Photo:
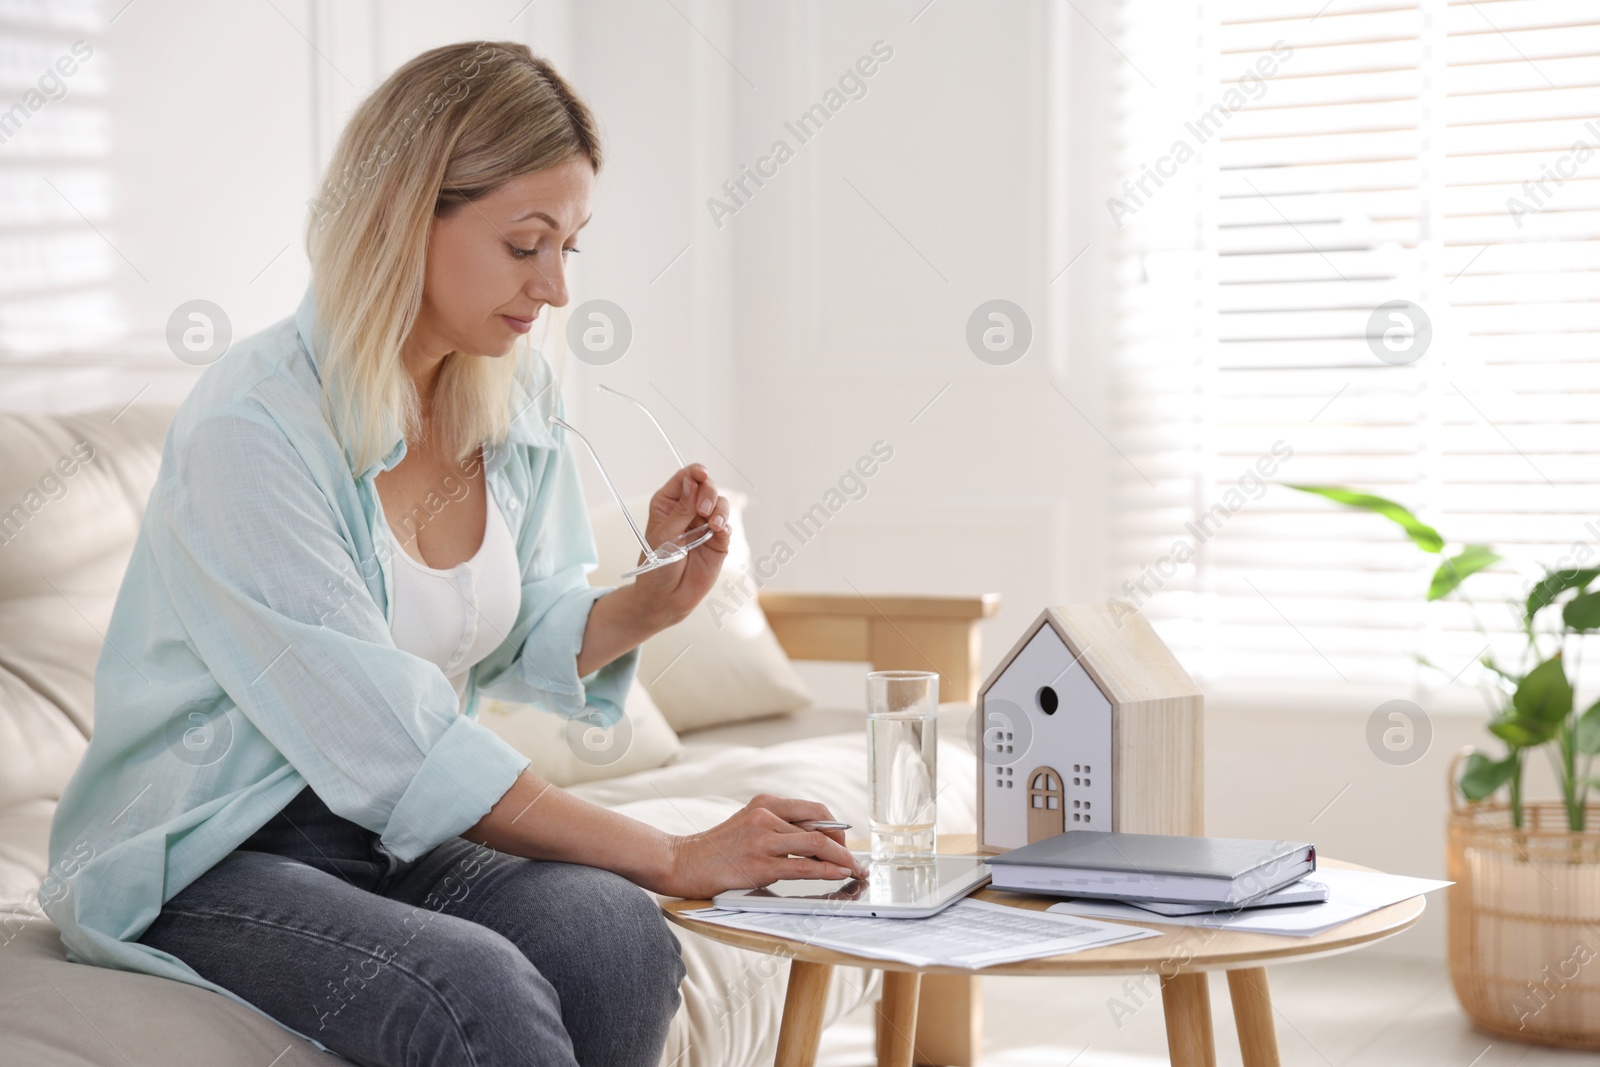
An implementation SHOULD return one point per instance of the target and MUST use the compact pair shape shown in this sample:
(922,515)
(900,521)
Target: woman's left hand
(687,500)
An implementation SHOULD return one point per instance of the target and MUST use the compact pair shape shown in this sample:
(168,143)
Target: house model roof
(1118,648)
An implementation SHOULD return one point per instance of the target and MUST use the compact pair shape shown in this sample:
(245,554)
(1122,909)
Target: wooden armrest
(893,604)
(891,631)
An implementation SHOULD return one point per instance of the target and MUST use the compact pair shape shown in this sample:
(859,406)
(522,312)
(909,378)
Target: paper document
(1351,894)
(969,933)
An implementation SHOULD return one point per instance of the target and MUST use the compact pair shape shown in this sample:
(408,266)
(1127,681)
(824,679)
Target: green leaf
(1554,584)
(1587,734)
(1484,775)
(1425,536)
(1582,612)
(1452,572)
(1545,695)
(1523,733)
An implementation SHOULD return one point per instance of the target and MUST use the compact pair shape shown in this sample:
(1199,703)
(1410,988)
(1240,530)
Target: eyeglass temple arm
(652,418)
(648,553)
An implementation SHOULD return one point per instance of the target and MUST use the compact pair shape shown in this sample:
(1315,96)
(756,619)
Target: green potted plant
(1524,912)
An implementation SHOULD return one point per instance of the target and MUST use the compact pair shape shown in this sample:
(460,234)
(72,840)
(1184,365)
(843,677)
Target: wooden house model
(1088,723)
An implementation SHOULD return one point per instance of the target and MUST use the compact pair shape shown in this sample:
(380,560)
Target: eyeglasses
(668,551)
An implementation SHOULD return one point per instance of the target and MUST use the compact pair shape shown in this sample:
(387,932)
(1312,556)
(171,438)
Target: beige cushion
(721,664)
(568,751)
(73,489)
(57,1012)
(24,847)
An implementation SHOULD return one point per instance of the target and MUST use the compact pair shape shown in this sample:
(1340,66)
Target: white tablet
(893,889)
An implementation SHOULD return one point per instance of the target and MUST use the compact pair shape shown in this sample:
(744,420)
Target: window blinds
(56,265)
(1443,154)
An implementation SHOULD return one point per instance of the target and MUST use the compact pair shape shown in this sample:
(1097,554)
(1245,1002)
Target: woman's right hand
(758,845)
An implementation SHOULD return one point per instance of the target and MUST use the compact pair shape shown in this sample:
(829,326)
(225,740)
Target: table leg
(803,1006)
(1252,1013)
(949,1020)
(1186,1001)
(897,1018)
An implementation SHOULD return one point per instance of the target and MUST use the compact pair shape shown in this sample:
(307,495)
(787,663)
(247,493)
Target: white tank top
(457,616)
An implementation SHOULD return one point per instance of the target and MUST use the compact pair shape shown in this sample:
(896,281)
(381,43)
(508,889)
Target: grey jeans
(463,956)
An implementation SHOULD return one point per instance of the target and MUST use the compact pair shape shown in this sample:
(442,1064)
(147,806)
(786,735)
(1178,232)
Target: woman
(363,519)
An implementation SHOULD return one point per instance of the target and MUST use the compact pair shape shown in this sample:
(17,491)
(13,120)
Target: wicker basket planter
(1524,920)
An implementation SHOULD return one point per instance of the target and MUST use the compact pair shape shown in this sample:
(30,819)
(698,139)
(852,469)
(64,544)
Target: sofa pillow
(73,490)
(721,664)
(570,751)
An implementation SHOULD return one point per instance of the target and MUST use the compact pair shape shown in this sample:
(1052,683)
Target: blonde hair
(446,128)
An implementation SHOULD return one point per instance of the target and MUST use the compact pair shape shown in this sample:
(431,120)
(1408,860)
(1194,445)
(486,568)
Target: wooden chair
(898,632)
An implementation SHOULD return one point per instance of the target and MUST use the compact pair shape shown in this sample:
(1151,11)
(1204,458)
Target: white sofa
(67,527)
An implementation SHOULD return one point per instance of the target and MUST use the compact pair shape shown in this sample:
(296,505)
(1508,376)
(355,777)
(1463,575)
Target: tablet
(893,889)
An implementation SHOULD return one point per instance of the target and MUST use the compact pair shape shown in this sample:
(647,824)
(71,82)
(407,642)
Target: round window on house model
(1048,701)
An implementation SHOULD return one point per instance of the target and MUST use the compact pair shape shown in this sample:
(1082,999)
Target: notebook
(1301,891)
(1108,865)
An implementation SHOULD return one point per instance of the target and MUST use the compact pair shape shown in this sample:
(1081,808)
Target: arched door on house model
(1047,810)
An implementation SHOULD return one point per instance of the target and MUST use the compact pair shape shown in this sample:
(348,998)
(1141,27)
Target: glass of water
(902,761)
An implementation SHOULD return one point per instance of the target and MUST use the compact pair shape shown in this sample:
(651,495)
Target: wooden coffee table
(1179,959)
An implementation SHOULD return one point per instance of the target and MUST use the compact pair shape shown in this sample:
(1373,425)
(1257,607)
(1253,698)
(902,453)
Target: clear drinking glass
(902,761)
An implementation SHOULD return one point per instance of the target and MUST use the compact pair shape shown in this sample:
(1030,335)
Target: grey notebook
(1300,891)
(1122,866)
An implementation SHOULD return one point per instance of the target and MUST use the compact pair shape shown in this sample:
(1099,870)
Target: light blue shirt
(249,651)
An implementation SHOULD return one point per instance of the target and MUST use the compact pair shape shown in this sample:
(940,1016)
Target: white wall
(859,265)
(827,313)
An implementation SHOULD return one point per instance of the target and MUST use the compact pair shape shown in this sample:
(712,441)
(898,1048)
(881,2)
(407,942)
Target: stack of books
(1163,874)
